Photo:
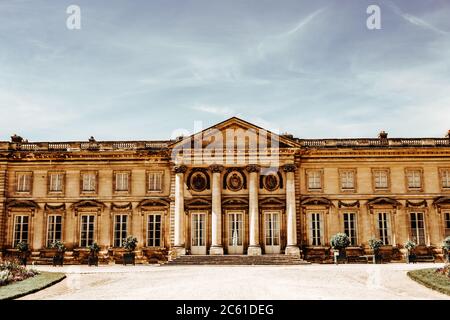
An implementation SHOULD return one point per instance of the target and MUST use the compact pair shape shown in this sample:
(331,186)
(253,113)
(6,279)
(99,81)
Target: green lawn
(30,285)
(431,279)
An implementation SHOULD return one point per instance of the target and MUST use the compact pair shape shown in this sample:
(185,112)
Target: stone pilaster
(254,248)
(216,215)
(179,237)
(291,223)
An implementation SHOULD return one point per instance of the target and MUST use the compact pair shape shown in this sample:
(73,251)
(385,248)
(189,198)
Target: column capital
(289,167)
(180,169)
(216,168)
(253,168)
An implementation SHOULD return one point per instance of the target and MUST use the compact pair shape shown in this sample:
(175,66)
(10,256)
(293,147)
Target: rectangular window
(20,229)
(122,180)
(384,227)
(54,228)
(155,181)
(445,178)
(87,230)
(447,224)
(417,228)
(120,229)
(414,178)
(316,229)
(23,182)
(56,182)
(89,182)
(350,227)
(347,179)
(154,230)
(381,179)
(314,180)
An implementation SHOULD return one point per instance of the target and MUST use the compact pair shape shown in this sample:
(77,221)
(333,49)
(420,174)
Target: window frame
(89,192)
(28,231)
(47,238)
(94,231)
(312,237)
(150,172)
(355,229)
(388,180)
(441,179)
(321,179)
(127,224)
(387,227)
(446,216)
(115,174)
(147,230)
(408,187)
(16,182)
(345,170)
(49,182)
(413,236)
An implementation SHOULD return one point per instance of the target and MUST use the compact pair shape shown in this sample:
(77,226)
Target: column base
(254,251)
(180,251)
(292,251)
(216,251)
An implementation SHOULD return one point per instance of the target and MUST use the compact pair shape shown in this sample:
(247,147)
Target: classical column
(179,244)
(254,248)
(291,214)
(216,214)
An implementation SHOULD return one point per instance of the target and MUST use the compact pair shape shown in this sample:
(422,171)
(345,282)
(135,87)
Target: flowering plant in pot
(93,254)
(129,244)
(410,246)
(339,242)
(446,249)
(23,252)
(375,245)
(58,258)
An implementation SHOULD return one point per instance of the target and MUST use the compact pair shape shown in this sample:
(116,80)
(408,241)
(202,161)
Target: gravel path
(387,281)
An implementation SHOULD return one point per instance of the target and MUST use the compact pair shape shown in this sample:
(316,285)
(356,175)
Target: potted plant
(339,242)
(410,246)
(375,245)
(58,258)
(129,244)
(23,252)
(446,249)
(93,254)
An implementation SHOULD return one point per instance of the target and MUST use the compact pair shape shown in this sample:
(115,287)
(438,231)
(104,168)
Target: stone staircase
(272,259)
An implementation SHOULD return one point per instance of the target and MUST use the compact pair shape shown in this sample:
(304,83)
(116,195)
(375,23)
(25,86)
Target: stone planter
(129,258)
(93,259)
(58,258)
(410,258)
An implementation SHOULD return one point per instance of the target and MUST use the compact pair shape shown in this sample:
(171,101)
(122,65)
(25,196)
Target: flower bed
(435,278)
(11,271)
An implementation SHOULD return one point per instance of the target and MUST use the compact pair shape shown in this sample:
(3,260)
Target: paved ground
(387,281)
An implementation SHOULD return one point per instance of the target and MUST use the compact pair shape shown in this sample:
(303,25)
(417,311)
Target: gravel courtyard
(387,281)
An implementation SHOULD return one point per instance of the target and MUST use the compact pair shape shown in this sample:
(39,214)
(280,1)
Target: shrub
(410,245)
(446,244)
(94,247)
(340,241)
(444,271)
(22,246)
(58,245)
(130,243)
(375,244)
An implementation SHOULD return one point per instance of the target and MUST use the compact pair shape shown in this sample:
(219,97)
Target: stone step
(237,260)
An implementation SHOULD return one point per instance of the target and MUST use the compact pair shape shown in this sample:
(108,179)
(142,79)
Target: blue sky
(141,69)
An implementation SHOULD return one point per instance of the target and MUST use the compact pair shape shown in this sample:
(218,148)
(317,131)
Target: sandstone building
(233,188)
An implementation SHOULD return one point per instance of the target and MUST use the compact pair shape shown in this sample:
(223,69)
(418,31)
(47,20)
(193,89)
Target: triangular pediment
(238,132)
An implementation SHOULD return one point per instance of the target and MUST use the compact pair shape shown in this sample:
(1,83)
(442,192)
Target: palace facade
(234,188)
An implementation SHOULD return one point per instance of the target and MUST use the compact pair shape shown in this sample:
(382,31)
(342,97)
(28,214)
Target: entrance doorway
(272,232)
(235,228)
(198,233)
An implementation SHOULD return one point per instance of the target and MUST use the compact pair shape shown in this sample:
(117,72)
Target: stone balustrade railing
(391,142)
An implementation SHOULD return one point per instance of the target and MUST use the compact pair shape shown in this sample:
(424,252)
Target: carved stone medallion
(198,182)
(271,182)
(234,182)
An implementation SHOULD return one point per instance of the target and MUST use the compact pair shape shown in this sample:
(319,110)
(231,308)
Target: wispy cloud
(215,110)
(416,20)
(303,23)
